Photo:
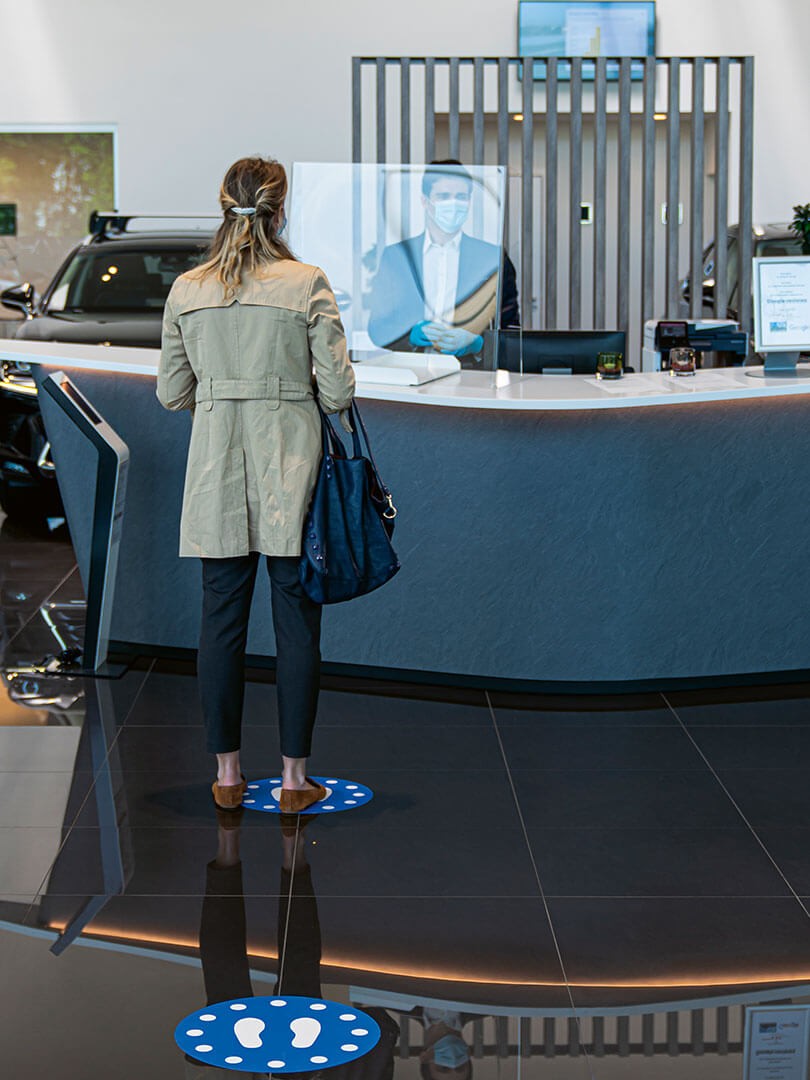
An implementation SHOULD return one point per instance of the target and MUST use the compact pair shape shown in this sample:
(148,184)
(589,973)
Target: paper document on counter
(709,380)
(630,384)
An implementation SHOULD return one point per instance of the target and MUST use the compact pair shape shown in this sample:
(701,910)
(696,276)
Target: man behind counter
(438,291)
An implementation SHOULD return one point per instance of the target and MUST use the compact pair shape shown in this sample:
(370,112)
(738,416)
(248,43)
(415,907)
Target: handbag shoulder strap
(331,441)
(360,429)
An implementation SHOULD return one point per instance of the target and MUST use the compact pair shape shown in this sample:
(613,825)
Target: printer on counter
(722,337)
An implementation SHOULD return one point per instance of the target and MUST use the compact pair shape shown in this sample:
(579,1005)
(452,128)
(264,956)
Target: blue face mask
(450,1051)
(450,215)
(282,227)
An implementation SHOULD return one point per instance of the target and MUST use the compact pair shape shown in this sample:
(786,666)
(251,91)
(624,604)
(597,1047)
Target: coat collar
(191,293)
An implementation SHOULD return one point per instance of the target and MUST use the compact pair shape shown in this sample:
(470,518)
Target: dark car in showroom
(110,290)
(767,240)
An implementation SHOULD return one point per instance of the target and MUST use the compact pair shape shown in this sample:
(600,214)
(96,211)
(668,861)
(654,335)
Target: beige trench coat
(244,368)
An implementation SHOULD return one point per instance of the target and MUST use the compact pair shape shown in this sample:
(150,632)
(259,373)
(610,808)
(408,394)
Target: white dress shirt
(440,277)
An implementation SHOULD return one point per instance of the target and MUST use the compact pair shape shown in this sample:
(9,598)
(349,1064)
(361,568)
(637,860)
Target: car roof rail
(104,222)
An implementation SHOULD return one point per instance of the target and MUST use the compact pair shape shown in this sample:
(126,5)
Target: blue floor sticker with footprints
(277,1034)
(340,795)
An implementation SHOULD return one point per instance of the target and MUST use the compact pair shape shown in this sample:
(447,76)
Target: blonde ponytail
(252,200)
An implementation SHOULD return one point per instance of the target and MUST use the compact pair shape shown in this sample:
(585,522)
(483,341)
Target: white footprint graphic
(248,1031)
(306,1031)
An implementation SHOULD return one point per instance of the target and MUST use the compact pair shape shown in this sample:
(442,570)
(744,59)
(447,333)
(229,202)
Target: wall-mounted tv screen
(586,28)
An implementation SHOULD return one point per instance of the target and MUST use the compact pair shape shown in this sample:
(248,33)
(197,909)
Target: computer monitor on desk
(552,352)
(781,314)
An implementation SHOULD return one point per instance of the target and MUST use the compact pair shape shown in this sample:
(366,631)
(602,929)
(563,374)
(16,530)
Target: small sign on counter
(776,1042)
(782,304)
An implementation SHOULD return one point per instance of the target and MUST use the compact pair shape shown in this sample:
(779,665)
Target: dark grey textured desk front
(577,545)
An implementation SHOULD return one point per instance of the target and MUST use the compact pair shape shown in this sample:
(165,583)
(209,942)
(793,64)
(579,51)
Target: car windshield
(109,280)
(785,245)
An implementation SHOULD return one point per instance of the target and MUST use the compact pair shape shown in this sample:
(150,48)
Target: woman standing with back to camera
(241,333)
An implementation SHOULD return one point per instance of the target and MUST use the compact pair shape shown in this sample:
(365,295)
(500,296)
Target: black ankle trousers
(227,593)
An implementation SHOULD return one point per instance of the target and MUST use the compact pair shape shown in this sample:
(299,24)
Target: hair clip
(243,211)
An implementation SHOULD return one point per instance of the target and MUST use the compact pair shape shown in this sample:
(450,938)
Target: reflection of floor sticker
(340,795)
(278,1034)
(306,1030)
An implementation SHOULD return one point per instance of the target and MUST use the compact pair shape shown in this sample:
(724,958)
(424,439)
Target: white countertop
(472,389)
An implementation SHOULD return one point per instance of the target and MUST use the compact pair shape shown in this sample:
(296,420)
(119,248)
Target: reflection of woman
(223,945)
(240,336)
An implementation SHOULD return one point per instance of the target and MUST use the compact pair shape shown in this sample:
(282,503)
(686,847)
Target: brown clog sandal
(229,796)
(295,802)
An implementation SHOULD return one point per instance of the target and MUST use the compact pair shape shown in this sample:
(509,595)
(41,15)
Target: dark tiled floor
(587,747)
(680,936)
(653,862)
(622,798)
(543,870)
(171,698)
(750,705)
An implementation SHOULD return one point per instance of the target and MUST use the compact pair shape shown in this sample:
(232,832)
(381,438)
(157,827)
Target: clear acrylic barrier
(413,254)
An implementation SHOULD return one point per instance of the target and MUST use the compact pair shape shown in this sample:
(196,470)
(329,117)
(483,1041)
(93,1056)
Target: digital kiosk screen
(600,28)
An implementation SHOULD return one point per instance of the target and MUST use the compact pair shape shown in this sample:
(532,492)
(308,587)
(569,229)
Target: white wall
(193,84)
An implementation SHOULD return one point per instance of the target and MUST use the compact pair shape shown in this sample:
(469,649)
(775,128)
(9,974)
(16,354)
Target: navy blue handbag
(346,549)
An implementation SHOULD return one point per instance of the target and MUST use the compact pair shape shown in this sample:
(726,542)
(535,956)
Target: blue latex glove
(417,336)
(475,346)
(454,340)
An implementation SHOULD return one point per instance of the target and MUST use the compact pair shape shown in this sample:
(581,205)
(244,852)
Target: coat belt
(271,388)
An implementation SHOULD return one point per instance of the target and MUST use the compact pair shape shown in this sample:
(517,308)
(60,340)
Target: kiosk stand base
(781,366)
(61,398)
(65,668)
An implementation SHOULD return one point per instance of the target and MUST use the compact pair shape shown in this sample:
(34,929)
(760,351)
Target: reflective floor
(542,886)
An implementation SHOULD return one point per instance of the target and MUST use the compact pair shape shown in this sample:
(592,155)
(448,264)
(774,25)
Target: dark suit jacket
(398,297)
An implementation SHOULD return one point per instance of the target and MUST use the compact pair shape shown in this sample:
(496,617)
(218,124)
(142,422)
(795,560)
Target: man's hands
(417,336)
(446,339)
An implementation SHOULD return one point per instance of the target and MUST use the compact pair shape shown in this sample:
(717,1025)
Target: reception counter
(552,529)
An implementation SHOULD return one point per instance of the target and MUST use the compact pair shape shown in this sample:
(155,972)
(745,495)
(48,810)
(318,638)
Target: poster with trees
(54,179)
